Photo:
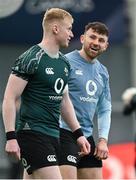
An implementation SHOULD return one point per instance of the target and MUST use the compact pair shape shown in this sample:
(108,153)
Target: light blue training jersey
(90,93)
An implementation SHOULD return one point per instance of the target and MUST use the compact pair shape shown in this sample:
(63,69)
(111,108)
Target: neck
(49,45)
(85,56)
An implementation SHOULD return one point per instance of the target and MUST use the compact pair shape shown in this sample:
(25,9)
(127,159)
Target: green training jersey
(42,96)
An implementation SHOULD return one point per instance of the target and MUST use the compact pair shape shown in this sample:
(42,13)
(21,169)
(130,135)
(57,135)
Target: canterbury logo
(71,158)
(51,158)
(79,72)
(49,71)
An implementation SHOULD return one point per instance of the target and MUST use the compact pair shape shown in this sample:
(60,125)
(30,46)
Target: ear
(82,39)
(55,29)
(106,46)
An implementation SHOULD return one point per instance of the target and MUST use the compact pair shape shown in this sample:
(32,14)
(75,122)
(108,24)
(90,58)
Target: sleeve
(25,66)
(104,111)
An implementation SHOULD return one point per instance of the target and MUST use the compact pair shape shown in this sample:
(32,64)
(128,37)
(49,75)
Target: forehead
(91,31)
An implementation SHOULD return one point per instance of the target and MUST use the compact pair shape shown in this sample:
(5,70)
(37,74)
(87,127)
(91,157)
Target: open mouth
(94,49)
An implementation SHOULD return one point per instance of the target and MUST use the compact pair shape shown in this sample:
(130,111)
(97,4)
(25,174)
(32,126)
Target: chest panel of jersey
(89,82)
(49,80)
(41,99)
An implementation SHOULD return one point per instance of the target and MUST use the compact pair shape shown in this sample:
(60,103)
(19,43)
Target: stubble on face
(94,44)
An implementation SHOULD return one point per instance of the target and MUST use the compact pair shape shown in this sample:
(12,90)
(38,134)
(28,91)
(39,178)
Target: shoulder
(72,57)
(29,60)
(65,59)
(102,69)
(71,54)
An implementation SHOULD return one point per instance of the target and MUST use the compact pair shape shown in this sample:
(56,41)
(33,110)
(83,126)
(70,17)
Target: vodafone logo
(59,84)
(91,88)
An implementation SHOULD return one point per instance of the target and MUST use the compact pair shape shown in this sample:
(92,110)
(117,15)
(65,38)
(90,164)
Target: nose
(96,41)
(72,35)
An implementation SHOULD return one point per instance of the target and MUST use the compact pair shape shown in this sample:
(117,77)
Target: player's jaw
(94,50)
(68,41)
(65,42)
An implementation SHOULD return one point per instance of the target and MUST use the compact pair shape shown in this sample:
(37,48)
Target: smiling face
(93,44)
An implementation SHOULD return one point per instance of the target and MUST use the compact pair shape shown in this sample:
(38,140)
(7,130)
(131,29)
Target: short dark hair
(98,27)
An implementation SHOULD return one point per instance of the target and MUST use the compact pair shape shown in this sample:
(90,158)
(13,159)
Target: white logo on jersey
(25,164)
(51,158)
(66,71)
(91,87)
(49,71)
(71,158)
(79,72)
(61,82)
(55,98)
(88,99)
(26,127)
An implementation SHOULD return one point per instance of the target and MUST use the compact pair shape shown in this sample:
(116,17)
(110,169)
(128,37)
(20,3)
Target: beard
(92,54)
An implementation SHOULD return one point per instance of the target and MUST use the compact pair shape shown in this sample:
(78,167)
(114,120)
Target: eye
(102,40)
(70,28)
(92,37)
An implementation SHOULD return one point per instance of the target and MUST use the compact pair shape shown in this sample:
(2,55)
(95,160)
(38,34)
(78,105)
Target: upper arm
(15,87)
(65,93)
